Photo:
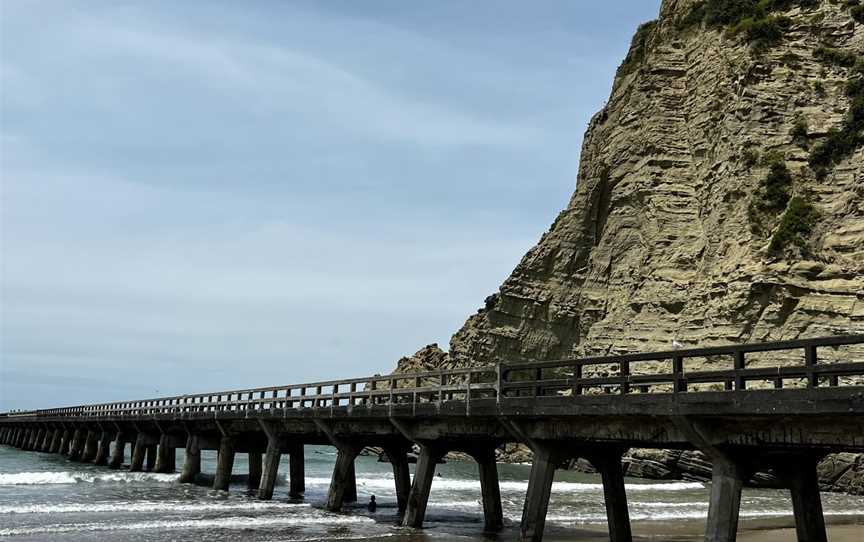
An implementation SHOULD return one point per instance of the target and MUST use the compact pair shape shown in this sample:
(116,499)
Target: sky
(199,196)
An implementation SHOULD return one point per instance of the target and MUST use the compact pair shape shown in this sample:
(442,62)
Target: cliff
(720,196)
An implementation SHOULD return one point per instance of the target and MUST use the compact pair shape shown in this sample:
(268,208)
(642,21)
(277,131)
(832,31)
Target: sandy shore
(768,530)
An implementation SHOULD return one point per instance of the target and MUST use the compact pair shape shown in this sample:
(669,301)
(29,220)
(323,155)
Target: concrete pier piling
(166,456)
(342,482)
(65,441)
(398,457)
(41,438)
(608,463)
(91,444)
(192,463)
(798,473)
(493,513)
(727,479)
(296,471)
(103,448)
(118,453)
(254,460)
(57,440)
(139,452)
(418,497)
(152,451)
(77,446)
(224,464)
(536,504)
(270,470)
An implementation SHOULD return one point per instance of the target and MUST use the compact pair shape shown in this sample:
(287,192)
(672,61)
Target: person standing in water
(372,504)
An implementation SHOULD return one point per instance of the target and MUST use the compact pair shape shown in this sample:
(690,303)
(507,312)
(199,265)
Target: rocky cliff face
(720,196)
(657,242)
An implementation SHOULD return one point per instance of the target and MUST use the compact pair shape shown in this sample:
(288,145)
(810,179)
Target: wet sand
(849,529)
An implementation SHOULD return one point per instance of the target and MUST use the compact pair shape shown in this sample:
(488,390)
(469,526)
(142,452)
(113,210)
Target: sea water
(46,497)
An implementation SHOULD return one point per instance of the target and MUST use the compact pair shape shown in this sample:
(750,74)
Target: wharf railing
(643,373)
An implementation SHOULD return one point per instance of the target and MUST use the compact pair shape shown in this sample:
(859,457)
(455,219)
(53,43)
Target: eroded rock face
(656,243)
(659,242)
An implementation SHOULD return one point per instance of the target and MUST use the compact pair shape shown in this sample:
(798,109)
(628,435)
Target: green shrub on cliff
(756,20)
(796,225)
(776,184)
(638,48)
(843,141)
(837,57)
(773,194)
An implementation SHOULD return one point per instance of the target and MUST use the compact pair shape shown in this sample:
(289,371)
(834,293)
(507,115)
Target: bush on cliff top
(638,48)
(751,18)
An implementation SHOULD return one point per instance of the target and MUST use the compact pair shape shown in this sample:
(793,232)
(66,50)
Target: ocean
(45,497)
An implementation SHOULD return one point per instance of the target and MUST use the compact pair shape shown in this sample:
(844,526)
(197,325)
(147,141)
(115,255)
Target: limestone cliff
(720,195)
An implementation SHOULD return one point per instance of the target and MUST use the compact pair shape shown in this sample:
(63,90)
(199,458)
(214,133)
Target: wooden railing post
(678,368)
(810,361)
(740,381)
(625,374)
(577,379)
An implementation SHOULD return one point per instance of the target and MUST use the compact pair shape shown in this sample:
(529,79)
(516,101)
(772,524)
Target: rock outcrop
(719,200)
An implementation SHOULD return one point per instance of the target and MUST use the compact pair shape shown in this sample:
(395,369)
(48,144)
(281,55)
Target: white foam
(676,515)
(230,523)
(77,477)
(147,506)
(385,482)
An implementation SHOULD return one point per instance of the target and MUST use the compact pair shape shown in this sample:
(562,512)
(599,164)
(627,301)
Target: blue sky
(207,195)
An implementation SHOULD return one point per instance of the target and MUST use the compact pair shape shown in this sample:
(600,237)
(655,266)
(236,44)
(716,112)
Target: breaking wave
(49,478)
(234,522)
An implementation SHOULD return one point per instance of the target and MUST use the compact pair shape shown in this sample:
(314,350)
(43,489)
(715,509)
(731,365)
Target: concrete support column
(725,500)
(192,464)
(90,446)
(45,443)
(118,455)
(254,460)
(608,462)
(270,470)
(31,441)
(539,489)
(103,448)
(401,476)
(798,473)
(224,464)
(49,439)
(56,441)
(22,437)
(65,441)
(297,471)
(139,452)
(351,484)
(419,495)
(493,513)
(342,482)
(166,456)
(77,444)
(152,452)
